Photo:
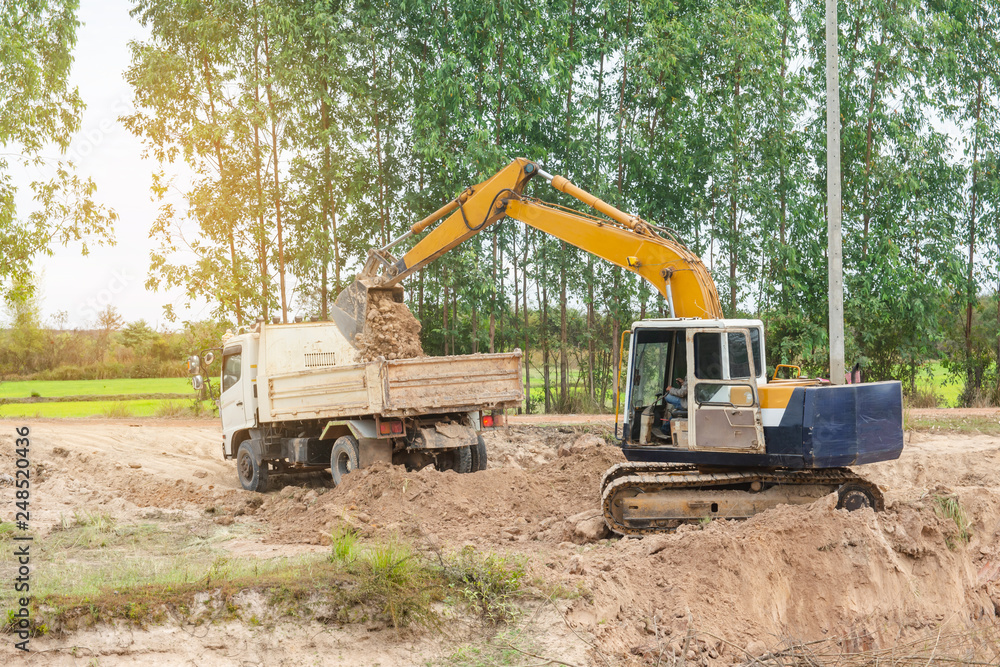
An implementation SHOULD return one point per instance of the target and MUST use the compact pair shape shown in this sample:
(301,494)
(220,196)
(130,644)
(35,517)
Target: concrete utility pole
(833,199)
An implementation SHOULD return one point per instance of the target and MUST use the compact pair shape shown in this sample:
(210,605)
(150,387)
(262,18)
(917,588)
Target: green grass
(113,409)
(965,425)
(99,569)
(119,387)
(949,508)
(933,376)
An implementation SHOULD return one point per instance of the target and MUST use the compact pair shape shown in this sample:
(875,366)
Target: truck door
(233,404)
(722,391)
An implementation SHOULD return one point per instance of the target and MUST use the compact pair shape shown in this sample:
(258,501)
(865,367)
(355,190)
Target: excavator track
(648,498)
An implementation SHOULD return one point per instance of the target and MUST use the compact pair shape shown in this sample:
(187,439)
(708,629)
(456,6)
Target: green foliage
(345,545)
(317,132)
(490,584)
(395,583)
(117,410)
(949,508)
(138,336)
(37,113)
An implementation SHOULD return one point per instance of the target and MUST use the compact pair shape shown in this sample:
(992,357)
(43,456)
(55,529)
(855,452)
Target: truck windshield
(231,367)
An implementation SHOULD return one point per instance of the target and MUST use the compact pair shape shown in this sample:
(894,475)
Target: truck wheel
(479,454)
(252,473)
(343,458)
(463,460)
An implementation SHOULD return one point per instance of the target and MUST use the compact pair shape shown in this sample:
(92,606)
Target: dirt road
(716,593)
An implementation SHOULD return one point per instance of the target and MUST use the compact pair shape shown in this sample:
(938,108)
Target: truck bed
(393,388)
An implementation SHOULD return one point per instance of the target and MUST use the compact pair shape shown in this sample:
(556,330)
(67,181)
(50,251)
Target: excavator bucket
(355,300)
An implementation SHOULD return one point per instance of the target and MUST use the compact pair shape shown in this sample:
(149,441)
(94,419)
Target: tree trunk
(444,313)
(264,296)
(277,182)
(544,302)
(591,350)
(783,119)
(869,142)
(734,231)
(382,195)
(493,296)
(616,340)
(454,320)
(591,324)
(475,330)
(223,176)
(970,379)
(621,103)
(325,120)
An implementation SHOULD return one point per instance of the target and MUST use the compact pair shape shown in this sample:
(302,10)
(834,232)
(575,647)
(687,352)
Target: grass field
(118,387)
(932,375)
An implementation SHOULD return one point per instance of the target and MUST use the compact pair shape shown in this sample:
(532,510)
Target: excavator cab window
(708,356)
(652,352)
(739,357)
(680,358)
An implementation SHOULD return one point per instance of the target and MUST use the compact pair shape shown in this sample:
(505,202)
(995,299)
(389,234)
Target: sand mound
(798,573)
(391,331)
(795,573)
(508,504)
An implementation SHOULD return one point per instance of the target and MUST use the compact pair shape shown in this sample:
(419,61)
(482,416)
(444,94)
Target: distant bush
(28,351)
(923,398)
(117,410)
(142,368)
(173,409)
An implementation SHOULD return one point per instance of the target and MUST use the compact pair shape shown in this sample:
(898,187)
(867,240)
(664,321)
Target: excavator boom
(622,239)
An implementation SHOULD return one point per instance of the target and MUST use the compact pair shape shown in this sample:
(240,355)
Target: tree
(138,336)
(38,110)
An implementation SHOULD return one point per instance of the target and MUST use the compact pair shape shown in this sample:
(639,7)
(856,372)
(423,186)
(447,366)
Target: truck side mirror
(197,383)
(209,358)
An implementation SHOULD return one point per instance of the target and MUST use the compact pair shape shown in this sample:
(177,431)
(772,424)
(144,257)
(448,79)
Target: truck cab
(238,390)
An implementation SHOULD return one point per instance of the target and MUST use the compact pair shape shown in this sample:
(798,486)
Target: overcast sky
(112,156)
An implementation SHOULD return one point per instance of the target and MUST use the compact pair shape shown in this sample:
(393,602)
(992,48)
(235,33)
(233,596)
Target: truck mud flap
(444,436)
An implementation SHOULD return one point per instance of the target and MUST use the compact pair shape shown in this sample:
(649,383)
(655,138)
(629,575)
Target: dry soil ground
(812,577)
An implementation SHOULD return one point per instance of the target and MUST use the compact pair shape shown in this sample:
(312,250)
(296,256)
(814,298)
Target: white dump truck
(298,398)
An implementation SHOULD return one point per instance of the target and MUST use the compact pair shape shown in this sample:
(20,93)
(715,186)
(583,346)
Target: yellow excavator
(706,434)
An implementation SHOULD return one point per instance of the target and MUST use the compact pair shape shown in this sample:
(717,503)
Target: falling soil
(391,331)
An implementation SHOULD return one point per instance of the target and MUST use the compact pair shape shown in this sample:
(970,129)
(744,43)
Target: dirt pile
(801,573)
(858,581)
(391,331)
(500,504)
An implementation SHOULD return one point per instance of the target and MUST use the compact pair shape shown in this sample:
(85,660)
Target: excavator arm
(625,240)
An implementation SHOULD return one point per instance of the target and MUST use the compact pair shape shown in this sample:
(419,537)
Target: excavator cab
(712,367)
(733,416)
